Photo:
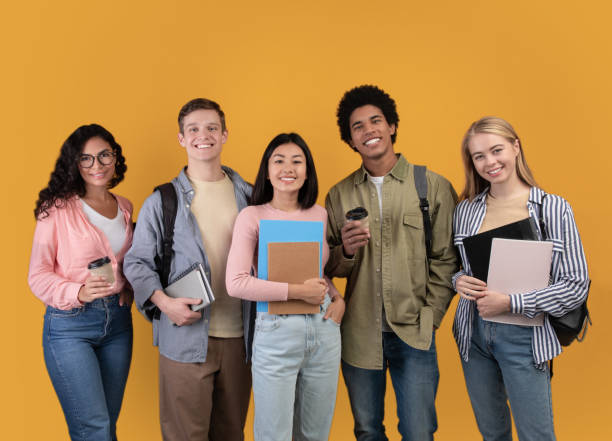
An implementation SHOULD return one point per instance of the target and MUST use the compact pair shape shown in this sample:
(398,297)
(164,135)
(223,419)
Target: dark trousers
(206,401)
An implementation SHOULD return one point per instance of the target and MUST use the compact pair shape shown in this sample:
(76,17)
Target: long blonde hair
(474,183)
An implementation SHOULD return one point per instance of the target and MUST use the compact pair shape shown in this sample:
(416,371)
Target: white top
(378,183)
(114,229)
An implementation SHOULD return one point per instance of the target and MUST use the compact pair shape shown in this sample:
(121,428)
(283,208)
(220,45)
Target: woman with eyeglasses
(83,228)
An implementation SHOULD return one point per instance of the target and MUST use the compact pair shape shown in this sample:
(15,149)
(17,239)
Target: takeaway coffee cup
(102,267)
(358,214)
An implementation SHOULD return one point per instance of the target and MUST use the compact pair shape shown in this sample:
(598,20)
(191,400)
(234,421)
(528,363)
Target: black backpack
(573,325)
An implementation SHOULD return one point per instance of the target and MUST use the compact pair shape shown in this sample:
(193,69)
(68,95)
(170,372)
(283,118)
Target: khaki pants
(206,401)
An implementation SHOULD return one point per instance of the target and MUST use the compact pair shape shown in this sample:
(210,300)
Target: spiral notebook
(192,283)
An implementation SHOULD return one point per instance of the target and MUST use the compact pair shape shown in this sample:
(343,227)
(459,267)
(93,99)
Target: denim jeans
(87,352)
(295,376)
(501,368)
(414,375)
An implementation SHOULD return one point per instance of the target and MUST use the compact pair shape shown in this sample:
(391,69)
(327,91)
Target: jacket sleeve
(338,265)
(139,264)
(45,283)
(443,263)
(570,275)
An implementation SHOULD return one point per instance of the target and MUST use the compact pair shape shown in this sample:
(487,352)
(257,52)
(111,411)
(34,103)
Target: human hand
(178,310)
(470,288)
(492,303)
(95,287)
(335,310)
(311,291)
(354,236)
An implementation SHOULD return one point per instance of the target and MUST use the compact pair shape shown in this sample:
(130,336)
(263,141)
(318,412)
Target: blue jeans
(501,369)
(87,352)
(295,376)
(415,377)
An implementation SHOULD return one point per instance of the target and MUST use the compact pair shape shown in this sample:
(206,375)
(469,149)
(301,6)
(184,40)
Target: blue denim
(88,352)
(501,368)
(296,359)
(414,375)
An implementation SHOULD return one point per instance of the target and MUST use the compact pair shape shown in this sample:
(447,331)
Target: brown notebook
(293,262)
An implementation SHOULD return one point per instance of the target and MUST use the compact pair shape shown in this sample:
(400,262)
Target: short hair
(476,184)
(66,181)
(197,104)
(263,190)
(362,96)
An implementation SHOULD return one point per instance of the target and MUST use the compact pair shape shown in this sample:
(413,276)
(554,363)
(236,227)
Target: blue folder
(285,231)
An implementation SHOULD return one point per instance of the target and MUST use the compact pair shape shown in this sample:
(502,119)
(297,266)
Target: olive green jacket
(393,267)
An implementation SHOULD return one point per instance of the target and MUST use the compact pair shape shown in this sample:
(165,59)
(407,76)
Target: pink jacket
(64,243)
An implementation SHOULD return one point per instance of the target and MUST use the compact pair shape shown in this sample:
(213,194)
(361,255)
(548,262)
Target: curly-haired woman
(87,335)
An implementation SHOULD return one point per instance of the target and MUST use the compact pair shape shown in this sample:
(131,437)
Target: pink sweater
(243,252)
(64,243)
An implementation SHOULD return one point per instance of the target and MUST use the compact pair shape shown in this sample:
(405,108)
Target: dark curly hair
(362,96)
(66,181)
(263,191)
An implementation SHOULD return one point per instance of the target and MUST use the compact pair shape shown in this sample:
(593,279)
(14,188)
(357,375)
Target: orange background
(282,66)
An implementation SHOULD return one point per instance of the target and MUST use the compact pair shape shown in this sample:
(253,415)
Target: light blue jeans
(88,352)
(415,376)
(295,366)
(501,369)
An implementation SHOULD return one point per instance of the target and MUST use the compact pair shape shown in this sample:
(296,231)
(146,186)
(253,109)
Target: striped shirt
(569,276)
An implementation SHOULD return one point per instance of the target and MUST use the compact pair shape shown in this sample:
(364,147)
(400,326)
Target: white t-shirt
(114,229)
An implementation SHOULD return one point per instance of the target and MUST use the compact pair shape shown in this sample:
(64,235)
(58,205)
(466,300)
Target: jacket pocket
(408,291)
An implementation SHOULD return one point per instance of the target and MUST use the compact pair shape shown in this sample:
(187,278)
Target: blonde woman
(505,362)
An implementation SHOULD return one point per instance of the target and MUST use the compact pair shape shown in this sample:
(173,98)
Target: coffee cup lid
(357,213)
(98,263)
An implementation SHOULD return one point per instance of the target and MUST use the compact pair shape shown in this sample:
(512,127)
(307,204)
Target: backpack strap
(541,219)
(420,182)
(169,209)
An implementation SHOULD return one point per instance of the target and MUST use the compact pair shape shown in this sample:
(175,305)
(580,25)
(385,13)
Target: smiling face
(203,135)
(287,169)
(97,175)
(494,158)
(370,133)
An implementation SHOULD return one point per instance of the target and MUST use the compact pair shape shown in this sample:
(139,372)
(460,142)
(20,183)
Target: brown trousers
(206,401)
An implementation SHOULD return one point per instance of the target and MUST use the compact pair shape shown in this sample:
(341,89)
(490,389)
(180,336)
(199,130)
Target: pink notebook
(519,266)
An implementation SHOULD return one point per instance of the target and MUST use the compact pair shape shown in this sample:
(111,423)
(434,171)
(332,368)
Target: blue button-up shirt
(569,275)
(187,344)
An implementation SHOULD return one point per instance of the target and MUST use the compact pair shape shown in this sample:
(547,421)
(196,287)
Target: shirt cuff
(456,276)
(524,304)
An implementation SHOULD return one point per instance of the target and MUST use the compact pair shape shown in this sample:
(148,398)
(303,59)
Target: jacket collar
(185,184)
(400,170)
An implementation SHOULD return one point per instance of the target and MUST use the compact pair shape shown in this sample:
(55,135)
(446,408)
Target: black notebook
(478,247)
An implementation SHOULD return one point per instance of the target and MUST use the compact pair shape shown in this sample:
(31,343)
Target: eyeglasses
(105,158)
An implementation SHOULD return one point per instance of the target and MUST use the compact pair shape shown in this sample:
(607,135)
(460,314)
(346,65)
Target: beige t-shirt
(503,212)
(214,207)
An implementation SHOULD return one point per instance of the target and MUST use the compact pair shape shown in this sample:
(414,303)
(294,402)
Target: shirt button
(377,243)
(377,294)
(187,205)
(372,194)
(377,320)
(376,219)
(377,270)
